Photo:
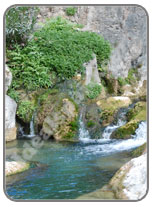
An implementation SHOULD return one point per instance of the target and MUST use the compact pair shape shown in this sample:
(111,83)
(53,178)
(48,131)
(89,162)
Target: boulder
(58,117)
(92,120)
(14,167)
(130,181)
(92,74)
(134,117)
(10,112)
(8,78)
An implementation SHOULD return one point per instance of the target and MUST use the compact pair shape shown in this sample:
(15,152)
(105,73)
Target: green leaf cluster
(70,11)
(93,90)
(25,110)
(55,53)
(19,24)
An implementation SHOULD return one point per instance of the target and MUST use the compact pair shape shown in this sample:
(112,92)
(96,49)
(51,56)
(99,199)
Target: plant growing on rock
(70,11)
(25,110)
(93,90)
(57,51)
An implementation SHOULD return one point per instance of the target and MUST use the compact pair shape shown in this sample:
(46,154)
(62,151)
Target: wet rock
(10,112)
(92,119)
(134,116)
(110,106)
(125,131)
(14,167)
(130,181)
(139,151)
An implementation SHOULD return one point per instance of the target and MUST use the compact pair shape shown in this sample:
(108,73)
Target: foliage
(122,81)
(13,94)
(57,51)
(25,110)
(90,123)
(132,76)
(19,24)
(93,90)
(70,11)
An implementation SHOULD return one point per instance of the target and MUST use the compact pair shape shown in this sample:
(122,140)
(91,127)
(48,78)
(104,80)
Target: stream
(68,170)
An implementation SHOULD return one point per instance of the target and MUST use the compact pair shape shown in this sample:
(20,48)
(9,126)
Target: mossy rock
(138,112)
(125,132)
(134,117)
(57,116)
(110,106)
(14,167)
(139,151)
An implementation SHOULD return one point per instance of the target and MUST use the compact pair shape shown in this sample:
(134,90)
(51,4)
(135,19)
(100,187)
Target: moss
(26,166)
(90,123)
(109,107)
(139,151)
(69,135)
(138,112)
(126,131)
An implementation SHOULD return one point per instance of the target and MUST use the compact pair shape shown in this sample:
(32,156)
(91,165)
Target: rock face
(14,167)
(10,109)
(8,78)
(124,26)
(10,112)
(92,74)
(130,182)
(58,117)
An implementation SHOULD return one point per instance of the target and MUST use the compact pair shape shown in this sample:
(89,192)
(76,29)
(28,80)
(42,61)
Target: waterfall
(32,130)
(84,135)
(107,146)
(104,145)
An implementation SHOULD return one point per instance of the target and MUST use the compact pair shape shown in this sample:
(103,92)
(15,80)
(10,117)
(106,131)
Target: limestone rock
(10,112)
(130,181)
(56,117)
(14,167)
(8,78)
(92,74)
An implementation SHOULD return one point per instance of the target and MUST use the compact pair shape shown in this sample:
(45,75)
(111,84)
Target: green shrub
(57,51)
(19,24)
(122,81)
(25,110)
(70,11)
(13,94)
(93,90)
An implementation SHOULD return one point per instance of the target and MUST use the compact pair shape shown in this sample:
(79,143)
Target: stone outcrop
(124,26)
(58,117)
(10,109)
(130,181)
(14,167)
(92,74)
(10,113)
(8,78)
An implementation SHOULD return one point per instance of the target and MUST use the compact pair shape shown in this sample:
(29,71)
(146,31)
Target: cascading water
(105,145)
(31,134)
(32,130)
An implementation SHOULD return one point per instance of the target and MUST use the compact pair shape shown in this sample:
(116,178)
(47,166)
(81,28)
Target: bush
(19,24)
(93,90)
(57,51)
(13,94)
(70,11)
(25,110)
